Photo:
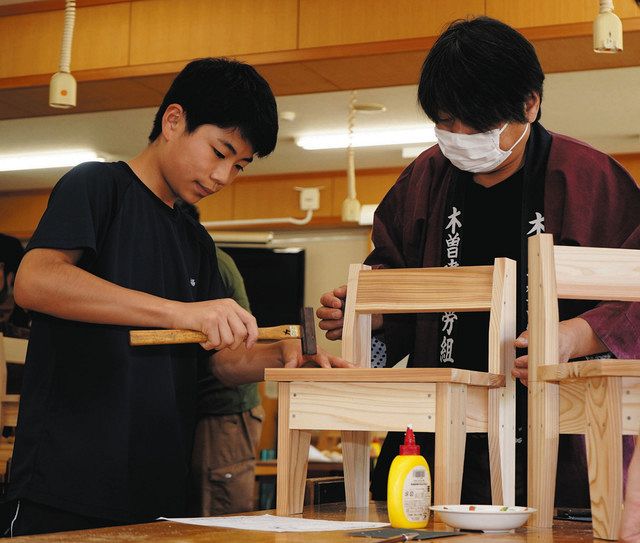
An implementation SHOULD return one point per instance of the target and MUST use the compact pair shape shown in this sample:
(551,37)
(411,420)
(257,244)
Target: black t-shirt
(105,429)
(491,229)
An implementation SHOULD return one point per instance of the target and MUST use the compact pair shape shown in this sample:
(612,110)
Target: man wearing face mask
(495,178)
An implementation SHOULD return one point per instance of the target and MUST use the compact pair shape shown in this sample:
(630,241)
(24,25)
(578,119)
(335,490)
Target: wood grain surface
(171,532)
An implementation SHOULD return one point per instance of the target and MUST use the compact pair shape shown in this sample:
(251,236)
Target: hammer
(304,331)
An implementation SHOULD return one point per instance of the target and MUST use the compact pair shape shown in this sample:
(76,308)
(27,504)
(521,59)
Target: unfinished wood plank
(502,401)
(381,375)
(356,330)
(543,404)
(604,454)
(293,457)
(425,290)
(15,349)
(451,406)
(355,454)
(593,273)
(377,406)
(572,406)
(362,406)
(589,368)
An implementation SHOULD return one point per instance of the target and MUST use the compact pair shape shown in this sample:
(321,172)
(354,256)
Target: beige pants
(223,463)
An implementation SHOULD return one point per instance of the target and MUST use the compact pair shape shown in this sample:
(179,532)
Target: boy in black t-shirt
(105,430)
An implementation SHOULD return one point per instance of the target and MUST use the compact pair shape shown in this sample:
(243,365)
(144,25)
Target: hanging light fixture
(607,29)
(62,87)
(351,205)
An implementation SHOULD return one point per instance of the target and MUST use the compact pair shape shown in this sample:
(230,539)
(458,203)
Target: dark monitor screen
(274,279)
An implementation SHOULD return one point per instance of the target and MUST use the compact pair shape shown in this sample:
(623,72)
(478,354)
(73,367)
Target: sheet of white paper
(271,523)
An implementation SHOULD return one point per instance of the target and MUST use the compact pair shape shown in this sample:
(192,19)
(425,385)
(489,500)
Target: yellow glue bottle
(409,486)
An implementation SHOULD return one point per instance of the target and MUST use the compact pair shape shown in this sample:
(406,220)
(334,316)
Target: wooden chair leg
(542,451)
(502,450)
(451,435)
(293,459)
(604,454)
(355,455)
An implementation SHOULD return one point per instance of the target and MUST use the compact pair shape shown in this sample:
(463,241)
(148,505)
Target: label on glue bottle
(416,494)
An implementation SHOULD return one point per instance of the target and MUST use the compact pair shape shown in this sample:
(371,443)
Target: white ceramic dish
(488,518)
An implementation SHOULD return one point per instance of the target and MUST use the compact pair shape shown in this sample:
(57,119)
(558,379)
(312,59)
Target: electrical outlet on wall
(309,198)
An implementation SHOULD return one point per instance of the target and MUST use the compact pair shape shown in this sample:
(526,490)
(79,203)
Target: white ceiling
(600,107)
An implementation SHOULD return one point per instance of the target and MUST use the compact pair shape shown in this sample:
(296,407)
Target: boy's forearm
(62,289)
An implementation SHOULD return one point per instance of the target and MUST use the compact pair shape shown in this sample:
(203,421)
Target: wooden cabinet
(166,30)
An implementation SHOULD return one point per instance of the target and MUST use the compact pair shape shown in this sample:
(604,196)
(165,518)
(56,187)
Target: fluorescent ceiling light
(47,159)
(370,138)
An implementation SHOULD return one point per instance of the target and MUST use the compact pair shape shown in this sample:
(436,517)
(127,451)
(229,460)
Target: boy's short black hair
(480,71)
(228,94)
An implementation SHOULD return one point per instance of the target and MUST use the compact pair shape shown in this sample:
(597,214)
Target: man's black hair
(228,94)
(480,71)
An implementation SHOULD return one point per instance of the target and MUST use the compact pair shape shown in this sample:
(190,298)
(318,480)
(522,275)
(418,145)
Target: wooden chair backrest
(430,290)
(577,273)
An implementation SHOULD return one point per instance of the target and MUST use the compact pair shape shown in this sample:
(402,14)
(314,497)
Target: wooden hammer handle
(174,337)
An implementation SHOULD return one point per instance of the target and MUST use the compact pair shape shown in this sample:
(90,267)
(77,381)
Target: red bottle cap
(409,447)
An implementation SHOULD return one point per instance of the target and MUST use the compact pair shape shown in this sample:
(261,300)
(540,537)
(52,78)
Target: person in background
(495,178)
(105,430)
(229,423)
(14,321)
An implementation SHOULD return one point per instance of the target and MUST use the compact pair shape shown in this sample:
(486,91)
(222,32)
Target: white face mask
(477,153)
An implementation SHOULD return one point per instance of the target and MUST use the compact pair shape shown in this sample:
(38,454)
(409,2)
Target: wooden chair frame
(448,401)
(597,398)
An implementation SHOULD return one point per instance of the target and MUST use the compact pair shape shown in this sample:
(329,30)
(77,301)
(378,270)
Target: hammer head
(308,331)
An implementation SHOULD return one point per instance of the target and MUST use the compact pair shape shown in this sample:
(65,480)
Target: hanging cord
(351,168)
(606,5)
(67,36)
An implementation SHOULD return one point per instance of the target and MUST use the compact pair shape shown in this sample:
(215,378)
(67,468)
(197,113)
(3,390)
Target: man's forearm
(584,340)
(245,366)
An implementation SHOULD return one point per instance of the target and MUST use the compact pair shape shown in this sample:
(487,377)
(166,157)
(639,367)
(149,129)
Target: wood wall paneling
(560,54)
(218,206)
(371,186)
(631,163)
(529,13)
(30,43)
(383,70)
(165,30)
(254,197)
(333,22)
(101,37)
(296,78)
(278,198)
(92,96)
(20,212)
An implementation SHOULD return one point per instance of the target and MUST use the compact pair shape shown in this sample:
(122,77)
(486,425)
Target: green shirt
(214,398)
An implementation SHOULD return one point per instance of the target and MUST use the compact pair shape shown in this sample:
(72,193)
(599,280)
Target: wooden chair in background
(598,398)
(12,351)
(448,401)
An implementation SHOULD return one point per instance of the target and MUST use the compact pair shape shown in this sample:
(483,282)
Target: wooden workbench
(170,532)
